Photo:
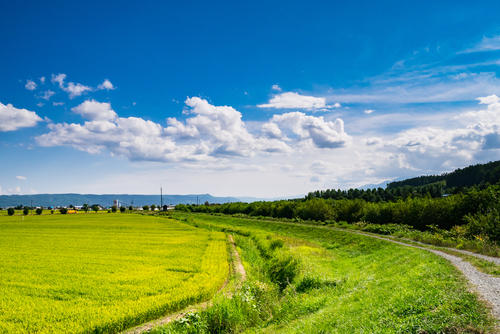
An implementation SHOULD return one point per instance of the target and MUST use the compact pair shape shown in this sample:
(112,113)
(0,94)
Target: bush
(26,211)
(63,211)
(282,270)
(145,208)
(122,209)
(39,211)
(486,225)
(11,211)
(113,208)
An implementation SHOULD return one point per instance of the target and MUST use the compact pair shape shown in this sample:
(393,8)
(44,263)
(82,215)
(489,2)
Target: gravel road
(486,285)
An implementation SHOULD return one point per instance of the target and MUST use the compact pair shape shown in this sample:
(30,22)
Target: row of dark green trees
(477,207)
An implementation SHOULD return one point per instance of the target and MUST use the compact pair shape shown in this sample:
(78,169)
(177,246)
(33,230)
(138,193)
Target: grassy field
(102,273)
(344,283)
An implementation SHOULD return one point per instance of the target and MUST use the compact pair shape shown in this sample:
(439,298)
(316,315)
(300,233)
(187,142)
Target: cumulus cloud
(276,88)
(12,118)
(324,134)
(208,133)
(292,100)
(95,111)
(73,89)
(42,80)
(30,85)
(106,85)
(22,178)
(47,95)
(369,111)
(453,144)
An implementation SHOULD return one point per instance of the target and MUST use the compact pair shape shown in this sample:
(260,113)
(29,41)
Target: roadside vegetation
(467,219)
(312,279)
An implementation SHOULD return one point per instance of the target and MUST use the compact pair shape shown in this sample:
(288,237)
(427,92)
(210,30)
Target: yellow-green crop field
(102,273)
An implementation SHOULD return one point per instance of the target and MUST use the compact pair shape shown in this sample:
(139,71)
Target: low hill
(53,200)
(462,177)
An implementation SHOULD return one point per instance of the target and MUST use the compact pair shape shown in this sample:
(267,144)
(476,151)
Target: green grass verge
(346,283)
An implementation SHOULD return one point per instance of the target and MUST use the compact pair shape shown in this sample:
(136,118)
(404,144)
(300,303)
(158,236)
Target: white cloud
(292,100)
(55,104)
(40,104)
(107,85)
(93,110)
(22,178)
(219,129)
(47,95)
(12,118)
(455,143)
(486,44)
(491,99)
(369,111)
(30,85)
(15,191)
(209,133)
(73,89)
(324,134)
(276,88)
(42,80)
(59,79)
(76,89)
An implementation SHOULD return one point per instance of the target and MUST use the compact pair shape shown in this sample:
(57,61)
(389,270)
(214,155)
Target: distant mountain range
(54,200)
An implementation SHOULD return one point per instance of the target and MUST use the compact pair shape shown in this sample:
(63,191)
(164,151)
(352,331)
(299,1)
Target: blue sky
(258,98)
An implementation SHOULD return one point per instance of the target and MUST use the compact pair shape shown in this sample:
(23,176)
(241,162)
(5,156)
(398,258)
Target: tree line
(475,207)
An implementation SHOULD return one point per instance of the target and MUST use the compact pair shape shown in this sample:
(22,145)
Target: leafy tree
(113,208)
(122,209)
(153,207)
(63,211)
(95,208)
(39,211)
(85,207)
(26,211)
(11,211)
(131,208)
(145,208)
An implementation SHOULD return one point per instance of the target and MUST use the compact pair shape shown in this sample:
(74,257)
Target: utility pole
(161,198)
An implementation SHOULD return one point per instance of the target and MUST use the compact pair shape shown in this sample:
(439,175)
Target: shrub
(484,224)
(113,208)
(145,208)
(26,211)
(11,211)
(39,211)
(122,209)
(63,211)
(282,270)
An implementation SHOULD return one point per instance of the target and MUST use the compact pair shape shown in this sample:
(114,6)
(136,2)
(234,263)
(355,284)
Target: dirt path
(240,273)
(487,286)
(238,266)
